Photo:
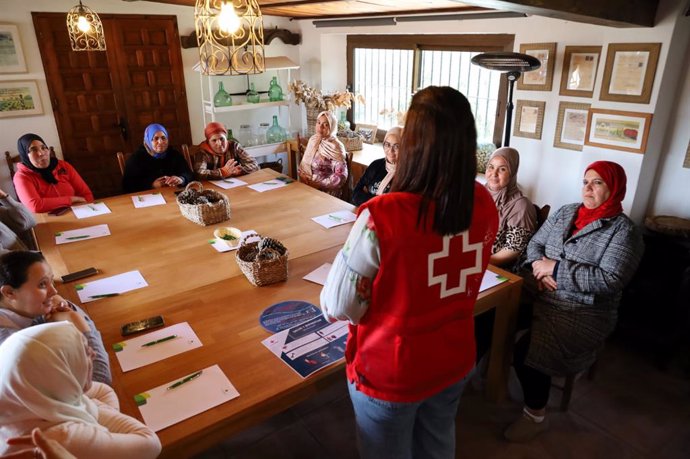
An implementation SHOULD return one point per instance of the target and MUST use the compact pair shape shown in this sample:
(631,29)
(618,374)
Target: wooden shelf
(266,149)
(244,106)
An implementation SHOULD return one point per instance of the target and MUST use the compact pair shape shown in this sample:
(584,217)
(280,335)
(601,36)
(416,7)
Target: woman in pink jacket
(44,183)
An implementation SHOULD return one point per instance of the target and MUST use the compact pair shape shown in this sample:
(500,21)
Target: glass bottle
(245,135)
(343,123)
(276,133)
(261,133)
(275,92)
(222,98)
(231,137)
(253,96)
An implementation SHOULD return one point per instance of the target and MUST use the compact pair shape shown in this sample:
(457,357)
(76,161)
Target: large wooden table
(189,281)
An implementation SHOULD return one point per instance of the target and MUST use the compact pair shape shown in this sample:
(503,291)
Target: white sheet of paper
(222,246)
(90,210)
(332,219)
(120,283)
(162,408)
(268,185)
(319,275)
(82,234)
(228,183)
(491,279)
(131,354)
(148,200)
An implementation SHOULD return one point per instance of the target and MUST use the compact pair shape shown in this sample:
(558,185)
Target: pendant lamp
(514,64)
(85,29)
(230,34)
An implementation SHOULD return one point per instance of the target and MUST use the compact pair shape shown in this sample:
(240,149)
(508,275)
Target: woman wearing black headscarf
(44,183)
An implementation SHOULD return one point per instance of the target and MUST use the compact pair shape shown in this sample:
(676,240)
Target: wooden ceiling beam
(462,9)
(615,13)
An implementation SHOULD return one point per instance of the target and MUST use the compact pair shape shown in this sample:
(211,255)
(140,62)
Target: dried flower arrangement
(315,99)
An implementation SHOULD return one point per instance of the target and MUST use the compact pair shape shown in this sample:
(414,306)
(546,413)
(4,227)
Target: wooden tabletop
(190,282)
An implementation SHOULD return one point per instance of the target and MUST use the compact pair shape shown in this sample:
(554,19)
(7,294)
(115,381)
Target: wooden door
(103,100)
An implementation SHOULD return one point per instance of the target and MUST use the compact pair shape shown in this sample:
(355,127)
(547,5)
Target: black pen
(185,380)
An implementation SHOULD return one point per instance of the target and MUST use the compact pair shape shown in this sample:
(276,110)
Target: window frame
(419,43)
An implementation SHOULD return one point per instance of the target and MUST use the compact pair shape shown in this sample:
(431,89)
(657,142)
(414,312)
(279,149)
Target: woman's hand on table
(542,268)
(77,199)
(160,182)
(231,168)
(173,180)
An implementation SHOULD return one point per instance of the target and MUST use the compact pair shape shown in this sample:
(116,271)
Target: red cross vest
(417,336)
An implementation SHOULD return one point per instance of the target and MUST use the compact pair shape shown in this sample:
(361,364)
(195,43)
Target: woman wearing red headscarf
(220,157)
(581,258)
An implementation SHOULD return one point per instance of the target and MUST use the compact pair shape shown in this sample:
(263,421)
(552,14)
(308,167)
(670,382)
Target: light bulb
(83,24)
(227,19)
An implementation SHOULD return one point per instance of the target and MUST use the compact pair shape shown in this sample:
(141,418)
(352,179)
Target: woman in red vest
(407,280)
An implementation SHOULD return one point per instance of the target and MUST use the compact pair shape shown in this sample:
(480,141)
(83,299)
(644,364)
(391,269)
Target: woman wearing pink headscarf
(323,164)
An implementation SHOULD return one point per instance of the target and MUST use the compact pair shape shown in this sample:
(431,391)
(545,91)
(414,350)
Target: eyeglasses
(394,146)
(38,149)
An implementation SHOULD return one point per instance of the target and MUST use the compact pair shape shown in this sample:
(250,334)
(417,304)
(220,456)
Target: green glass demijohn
(275,133)
(253,96)
(222,98)
(343,123)
(275,92)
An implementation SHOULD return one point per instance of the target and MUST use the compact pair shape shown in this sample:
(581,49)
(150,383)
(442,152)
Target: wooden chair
(13,160)
(569,385)
(188,156)
(121,161)
(542,214)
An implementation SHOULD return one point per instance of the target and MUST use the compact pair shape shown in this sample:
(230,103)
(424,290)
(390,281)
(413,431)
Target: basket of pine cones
(263,262)
(203,207)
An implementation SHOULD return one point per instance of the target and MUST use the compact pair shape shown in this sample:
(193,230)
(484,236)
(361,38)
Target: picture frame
(529,118)
(580,65)
(368,132)
(618,130)
(629,72)
(686,163)
(542,78)
(571,125)
(19,98)
(11,53)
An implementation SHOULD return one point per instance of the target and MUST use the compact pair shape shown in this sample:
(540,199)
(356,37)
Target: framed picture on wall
(529,118)
(579,73)
(19,98)
(571,125)
(542,78)
(629,72)
(11,54)
(618,130)
(367,131)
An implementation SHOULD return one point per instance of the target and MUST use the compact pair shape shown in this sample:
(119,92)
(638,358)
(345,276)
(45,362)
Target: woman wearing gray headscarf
(517,218)
(323,164)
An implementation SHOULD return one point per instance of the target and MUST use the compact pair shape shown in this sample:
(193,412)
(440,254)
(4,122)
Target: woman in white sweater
(45,382)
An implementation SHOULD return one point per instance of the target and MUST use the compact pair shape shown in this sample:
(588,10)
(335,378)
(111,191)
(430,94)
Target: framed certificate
(529,118)
(618,130)
(580,65)
(629,72)
(571,126)
(542,78)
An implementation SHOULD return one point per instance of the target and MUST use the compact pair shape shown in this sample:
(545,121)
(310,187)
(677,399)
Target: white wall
(19,13)
(548,174)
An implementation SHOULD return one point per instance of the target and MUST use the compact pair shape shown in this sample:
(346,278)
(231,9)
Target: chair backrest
(121,160)
(347,187)
(13,160)
(542,214)
(188,156)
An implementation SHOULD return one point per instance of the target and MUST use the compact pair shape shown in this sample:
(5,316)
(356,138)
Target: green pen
(228,181)
(338,219)
(185,380)
(140,198)
(92,208)
(270,183)
(162,340)
(77,237)
(104,295)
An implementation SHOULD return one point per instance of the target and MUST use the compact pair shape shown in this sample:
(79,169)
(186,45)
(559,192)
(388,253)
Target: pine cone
(270,243)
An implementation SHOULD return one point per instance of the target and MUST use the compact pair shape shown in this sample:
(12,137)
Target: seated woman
(44,183)
(379,175)
(323,164)
(28,297)
(220,157)
(517,218)
(155,164)
(580,259)
(45,382)
(15,219)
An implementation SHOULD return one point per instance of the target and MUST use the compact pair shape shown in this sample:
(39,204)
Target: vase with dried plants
(316,101)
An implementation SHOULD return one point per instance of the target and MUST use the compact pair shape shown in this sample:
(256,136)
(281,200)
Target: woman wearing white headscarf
(323,164)
(45,382)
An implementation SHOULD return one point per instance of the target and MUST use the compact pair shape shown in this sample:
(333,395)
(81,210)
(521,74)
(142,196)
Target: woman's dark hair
(14,267)
(437,158)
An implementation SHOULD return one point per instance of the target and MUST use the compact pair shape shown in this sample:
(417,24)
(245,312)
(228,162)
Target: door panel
(103,101)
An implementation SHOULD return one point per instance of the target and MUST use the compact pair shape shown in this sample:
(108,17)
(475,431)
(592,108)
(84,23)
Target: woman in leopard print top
(517,218)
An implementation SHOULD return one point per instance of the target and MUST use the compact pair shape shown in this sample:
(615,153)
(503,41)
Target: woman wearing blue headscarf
(155,164)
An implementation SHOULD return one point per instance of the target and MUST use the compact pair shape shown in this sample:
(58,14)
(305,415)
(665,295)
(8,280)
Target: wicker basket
(262,266)
(208,213)
(351,143)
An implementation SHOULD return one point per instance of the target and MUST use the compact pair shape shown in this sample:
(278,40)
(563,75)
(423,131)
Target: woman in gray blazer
(580,259)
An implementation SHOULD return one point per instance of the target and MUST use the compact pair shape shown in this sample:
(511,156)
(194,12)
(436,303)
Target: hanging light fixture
(230,34)
(85,29)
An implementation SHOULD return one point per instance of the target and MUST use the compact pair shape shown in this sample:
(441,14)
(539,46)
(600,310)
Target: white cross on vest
(435,265)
